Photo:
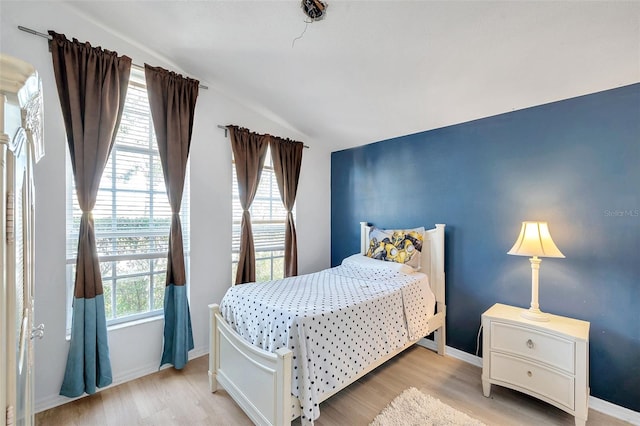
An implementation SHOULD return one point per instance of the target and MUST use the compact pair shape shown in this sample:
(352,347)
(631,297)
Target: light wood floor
(172,397)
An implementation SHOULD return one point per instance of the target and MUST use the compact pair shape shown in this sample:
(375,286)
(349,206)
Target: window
(268,218)
(132,217)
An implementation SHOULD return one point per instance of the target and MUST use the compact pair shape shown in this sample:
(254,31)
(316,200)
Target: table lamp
(535,240)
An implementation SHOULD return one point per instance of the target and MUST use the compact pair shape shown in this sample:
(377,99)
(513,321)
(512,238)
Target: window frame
(276,252)
(153,190)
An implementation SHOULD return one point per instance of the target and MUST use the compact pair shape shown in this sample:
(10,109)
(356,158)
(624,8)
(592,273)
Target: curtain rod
(226,130)
(48,37)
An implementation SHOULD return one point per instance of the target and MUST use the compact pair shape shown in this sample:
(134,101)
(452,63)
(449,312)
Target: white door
(20,145)
(19,276)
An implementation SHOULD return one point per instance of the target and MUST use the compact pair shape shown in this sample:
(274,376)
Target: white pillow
(367,262)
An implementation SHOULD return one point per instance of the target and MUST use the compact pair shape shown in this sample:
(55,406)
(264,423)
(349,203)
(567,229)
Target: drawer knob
(530,344)
(529,373)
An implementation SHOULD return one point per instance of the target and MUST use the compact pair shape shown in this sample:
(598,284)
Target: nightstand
(548,360)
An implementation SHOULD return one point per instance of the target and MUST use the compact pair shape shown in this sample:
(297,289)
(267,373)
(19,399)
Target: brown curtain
(172,99)
(92,85)
(249,152)
(287,159)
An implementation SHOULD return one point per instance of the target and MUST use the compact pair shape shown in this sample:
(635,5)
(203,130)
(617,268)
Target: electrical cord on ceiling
(314,9)
(306,24)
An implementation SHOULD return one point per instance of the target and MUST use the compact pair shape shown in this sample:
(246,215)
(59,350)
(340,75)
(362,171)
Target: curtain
(92,85)
(249,152)
(172,99)
(287,159)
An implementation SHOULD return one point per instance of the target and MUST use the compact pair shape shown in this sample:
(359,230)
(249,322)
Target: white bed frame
(260,381)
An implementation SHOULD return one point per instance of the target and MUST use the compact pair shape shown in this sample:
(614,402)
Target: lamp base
(534,315)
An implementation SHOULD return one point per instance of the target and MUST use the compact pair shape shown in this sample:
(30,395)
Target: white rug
(414,408)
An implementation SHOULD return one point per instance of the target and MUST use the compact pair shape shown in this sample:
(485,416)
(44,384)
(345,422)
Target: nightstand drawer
(531,377)
(535,345)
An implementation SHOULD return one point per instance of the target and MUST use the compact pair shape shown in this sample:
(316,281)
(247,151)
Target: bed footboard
(259,381)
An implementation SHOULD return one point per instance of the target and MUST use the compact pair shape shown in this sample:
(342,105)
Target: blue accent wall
(573,163)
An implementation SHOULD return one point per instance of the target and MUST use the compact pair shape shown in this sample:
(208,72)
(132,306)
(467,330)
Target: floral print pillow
(397,245)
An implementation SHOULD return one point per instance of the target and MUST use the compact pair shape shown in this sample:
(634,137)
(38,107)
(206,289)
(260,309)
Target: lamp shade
(535,240)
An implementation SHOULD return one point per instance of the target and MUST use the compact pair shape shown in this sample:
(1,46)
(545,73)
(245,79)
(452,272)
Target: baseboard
(125,376)
(452,352)
(614,410)
(597,404)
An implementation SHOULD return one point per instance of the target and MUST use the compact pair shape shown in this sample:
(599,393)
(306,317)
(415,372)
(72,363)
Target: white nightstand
(548,360)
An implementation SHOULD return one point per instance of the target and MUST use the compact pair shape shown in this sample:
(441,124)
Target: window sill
(127,324)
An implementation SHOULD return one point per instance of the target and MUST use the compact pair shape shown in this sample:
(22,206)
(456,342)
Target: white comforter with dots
(336,322)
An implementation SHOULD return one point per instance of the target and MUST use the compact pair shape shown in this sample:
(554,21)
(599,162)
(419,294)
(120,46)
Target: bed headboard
(432,262)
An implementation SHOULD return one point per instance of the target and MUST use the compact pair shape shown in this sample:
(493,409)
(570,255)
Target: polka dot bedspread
(336,322)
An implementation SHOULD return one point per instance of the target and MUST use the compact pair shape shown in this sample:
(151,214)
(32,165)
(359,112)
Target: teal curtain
(92,84)
(172,99)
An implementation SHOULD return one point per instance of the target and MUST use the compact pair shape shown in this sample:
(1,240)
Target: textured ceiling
(377,69)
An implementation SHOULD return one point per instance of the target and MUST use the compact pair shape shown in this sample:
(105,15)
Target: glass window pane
(263,254)
(132,295)
(133,170)
(158,291)
(278,268)
(105,246)
(103,211)
(136,128)
(160,265)
(263,269)
(133,204)
(234,271)
(106,269)
(157,176)
(134,266)
(107,288)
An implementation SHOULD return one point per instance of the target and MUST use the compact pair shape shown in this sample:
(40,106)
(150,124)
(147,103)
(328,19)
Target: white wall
(135,350)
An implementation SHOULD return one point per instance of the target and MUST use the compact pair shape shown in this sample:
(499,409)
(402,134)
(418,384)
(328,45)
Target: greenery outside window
(132,218)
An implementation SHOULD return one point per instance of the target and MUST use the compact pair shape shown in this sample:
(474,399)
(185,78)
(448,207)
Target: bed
(283,367)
